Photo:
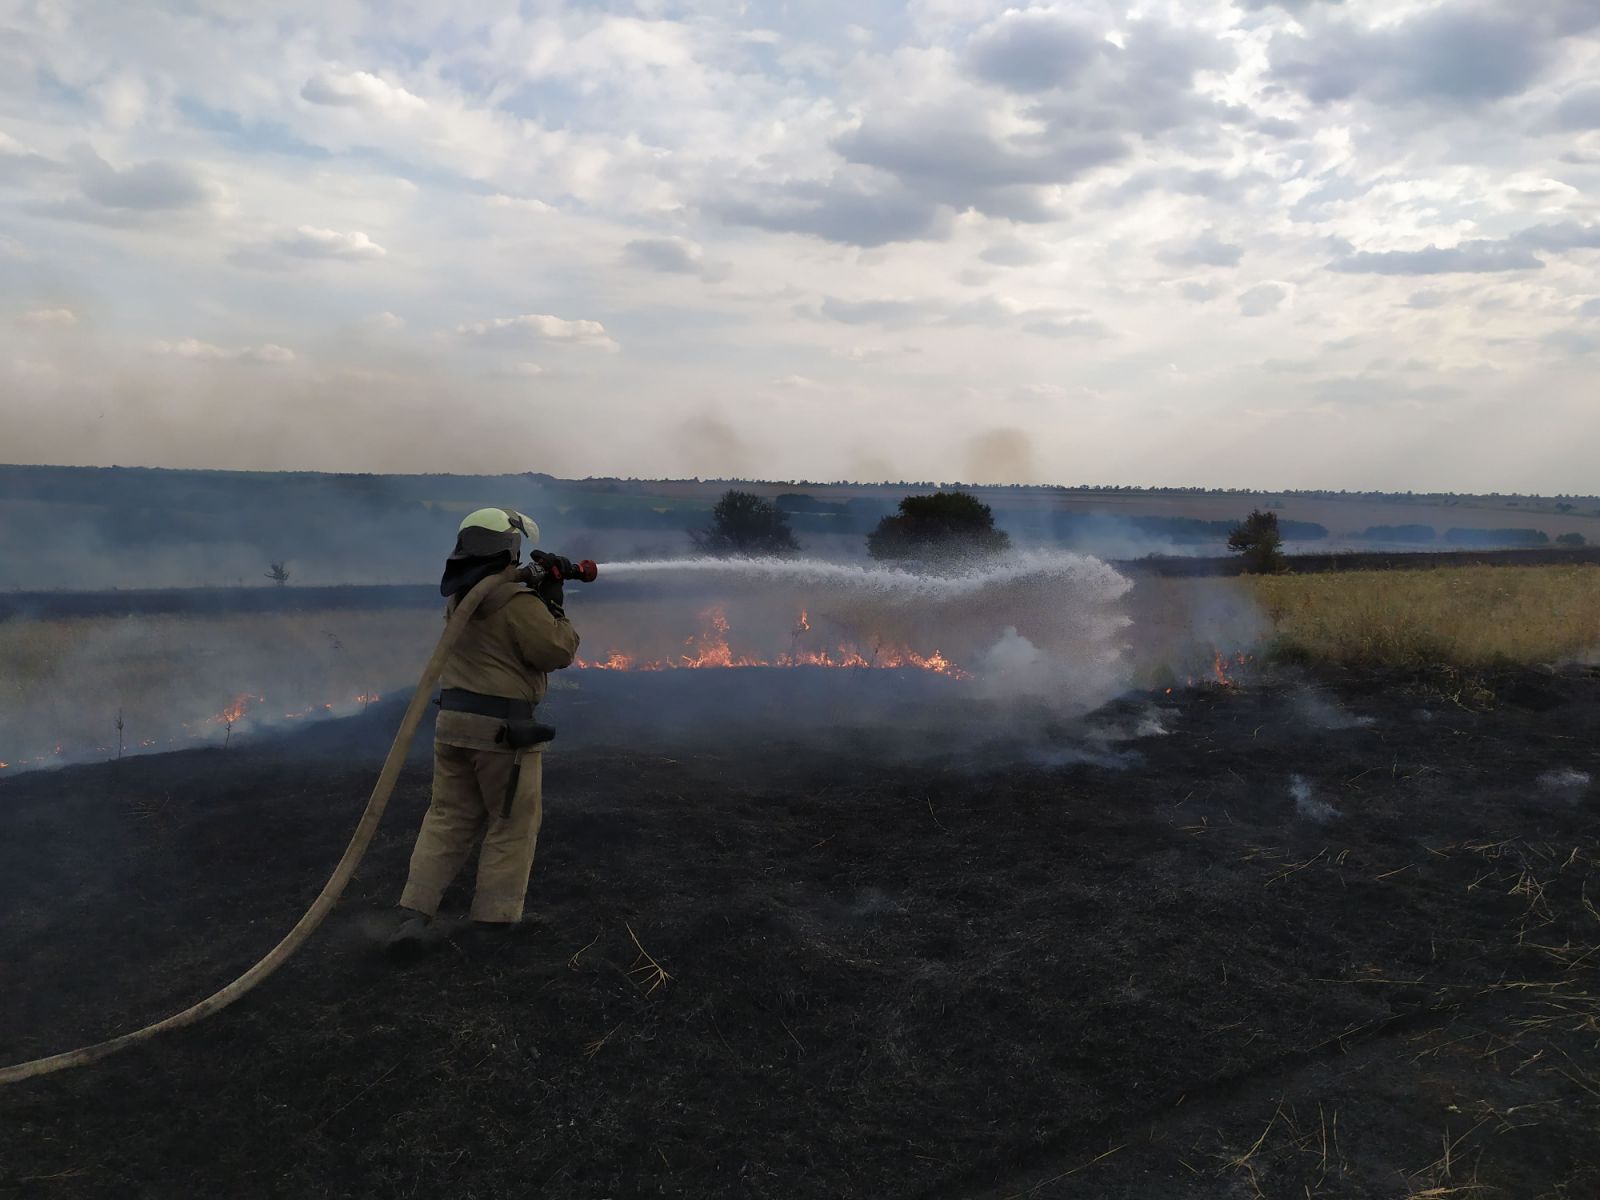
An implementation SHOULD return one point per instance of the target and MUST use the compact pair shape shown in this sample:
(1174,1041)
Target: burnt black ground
(946,971)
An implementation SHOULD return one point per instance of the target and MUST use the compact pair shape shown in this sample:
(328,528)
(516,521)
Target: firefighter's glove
(550,590)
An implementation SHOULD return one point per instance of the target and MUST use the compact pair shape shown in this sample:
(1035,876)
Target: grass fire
(710,648)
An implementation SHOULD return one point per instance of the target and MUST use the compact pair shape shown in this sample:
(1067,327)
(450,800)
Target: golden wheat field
(1465,617)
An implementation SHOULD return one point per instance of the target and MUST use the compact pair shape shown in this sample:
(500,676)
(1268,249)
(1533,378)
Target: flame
(242,706)
(236,710)
(615,661)
(710,649)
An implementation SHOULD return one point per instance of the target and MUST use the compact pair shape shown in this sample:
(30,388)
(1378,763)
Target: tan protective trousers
(469,797)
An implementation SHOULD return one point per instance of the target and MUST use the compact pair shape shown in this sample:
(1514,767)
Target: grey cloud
(1208,183)
(1199,293)
(877,312)
(1364,390)
(673,256)
(1427,299)
(143,187)
(1477,257)
(965,160)
(1277,127)
(1448,53)
(1561,235)
(855,208)
(1033,51)
(1068,328)
(1320,203)
(1206,250)
(1590,308)
(18,163)
(1481,256)
(1573,341)
(1286,5)
(911,165)
(137,197)
(1158,65)
(1579,109)
(323,89)
(1012,253)
(1262,299)
(909,170)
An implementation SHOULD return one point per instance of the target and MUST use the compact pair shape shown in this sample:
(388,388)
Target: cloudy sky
(1227,242)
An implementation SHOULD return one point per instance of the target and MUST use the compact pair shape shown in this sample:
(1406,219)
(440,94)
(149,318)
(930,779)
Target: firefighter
(488,750)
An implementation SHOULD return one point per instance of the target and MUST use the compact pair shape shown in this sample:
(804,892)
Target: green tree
(1258,540)
(744,524)
(1571,539)
(278,572)
(945,528)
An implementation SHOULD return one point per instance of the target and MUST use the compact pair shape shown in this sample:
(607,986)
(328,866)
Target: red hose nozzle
(583,571)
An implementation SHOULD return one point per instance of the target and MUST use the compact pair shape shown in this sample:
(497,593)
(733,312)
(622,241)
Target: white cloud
(539,327)
(360,89)
(50,316)
(518,203)
(307,241)
(193,348)
(1262,299)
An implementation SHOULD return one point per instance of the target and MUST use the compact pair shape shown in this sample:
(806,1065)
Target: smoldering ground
(889,978)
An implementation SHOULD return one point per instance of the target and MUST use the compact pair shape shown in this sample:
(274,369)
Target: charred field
(1328,935)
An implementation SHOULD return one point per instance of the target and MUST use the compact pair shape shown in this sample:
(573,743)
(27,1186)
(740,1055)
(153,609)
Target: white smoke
(1565,779)
(1307,805)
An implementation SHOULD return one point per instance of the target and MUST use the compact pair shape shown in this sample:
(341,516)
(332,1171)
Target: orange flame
(710,648)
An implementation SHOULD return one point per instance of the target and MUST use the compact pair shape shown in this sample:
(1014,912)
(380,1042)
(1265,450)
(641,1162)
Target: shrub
(1259,541)
(944,528)
(744,524)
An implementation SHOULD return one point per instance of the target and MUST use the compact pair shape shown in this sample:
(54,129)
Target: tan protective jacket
(507,649)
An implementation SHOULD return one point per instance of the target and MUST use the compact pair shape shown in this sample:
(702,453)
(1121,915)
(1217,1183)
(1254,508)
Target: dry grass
(1460,617)
(71,680)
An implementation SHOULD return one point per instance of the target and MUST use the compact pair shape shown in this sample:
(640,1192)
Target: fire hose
(353,854)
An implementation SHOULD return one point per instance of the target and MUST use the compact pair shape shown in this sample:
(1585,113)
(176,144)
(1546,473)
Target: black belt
(461,700)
